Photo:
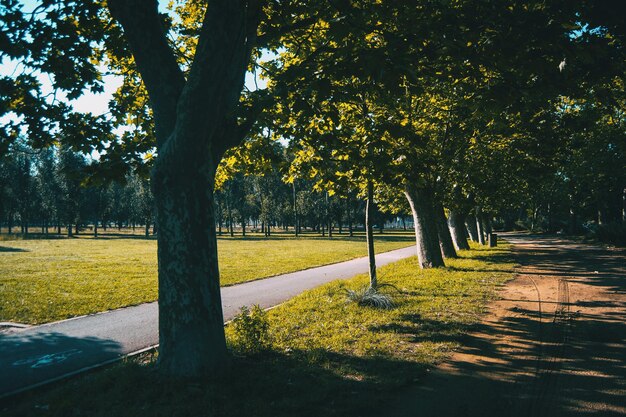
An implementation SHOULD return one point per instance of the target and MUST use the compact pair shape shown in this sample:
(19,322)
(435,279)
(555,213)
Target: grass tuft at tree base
(323,355)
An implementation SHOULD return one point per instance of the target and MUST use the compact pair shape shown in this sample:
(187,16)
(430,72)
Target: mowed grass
(325,356)
(43,280)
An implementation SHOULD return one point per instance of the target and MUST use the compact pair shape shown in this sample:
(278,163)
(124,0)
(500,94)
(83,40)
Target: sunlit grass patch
(443,301)
(43,280)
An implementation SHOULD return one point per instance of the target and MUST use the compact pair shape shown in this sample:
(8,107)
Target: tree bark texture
(457,230)
(487,226)
(445,239)
(472,229)
(426,237)
(480,226)
(191,331)
(369,233)
(195,123)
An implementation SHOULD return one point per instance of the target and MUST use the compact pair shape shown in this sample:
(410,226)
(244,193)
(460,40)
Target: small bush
(368,296)
(250,331)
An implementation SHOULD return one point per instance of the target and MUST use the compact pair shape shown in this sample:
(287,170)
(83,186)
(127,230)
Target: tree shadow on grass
(272,384)
(10,249)
(319,382)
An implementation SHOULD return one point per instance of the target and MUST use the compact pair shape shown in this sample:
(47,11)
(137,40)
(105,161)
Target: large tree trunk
(194,126)
(191,331)
(369,234)
(445,240)
(428,251)
(457,230)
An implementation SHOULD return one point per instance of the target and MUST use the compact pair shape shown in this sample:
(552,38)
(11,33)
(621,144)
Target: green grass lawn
(43,280)
(324,356)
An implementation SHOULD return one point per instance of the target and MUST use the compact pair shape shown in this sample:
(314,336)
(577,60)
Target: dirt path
(554,345)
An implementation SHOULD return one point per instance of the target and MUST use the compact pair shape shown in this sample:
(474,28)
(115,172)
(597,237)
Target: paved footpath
(42,354)
(553,346)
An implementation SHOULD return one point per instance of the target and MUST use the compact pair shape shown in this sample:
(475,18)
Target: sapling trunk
(369,233)
(295,209)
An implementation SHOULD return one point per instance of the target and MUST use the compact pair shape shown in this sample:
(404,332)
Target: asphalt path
(42,354)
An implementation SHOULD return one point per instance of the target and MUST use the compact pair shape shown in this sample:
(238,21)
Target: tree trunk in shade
(457,230)
(487,226)
(426,237)
(472,229)
(190,311)
(445,239)
(624,205)
(195,120)
(480,226)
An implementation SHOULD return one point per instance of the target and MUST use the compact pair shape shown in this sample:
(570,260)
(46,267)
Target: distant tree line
(53,191)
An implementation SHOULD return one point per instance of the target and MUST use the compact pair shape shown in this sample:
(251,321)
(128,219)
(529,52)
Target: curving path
(554,345)
(43,354)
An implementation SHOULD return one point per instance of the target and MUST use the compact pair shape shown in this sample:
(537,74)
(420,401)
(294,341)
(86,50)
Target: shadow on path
(28,359)
(554,345)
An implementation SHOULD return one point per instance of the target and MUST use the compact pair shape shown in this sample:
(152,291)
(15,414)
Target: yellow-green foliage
(45,280)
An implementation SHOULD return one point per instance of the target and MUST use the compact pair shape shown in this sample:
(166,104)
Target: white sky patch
(98,103)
